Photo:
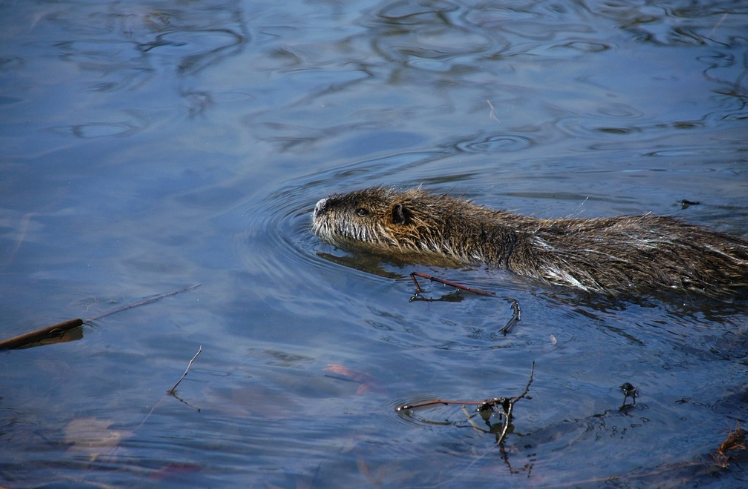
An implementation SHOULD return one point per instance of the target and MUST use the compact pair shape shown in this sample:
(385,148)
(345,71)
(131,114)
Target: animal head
(379,217)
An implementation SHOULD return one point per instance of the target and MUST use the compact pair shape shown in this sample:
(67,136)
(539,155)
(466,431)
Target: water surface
(149,146)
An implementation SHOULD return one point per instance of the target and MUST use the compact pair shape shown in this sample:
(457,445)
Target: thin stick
(447,282)
(719,22)
(171,391)
(516,312)
(510,407)
(491,115)
(495,400)
(502,406)
(434,402)
(419,290)
(142,303)
(527,387)
(469,418)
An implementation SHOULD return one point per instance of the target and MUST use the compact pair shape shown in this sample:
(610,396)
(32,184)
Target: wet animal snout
(320,207)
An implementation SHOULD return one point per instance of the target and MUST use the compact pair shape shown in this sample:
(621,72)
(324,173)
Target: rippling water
(149,146)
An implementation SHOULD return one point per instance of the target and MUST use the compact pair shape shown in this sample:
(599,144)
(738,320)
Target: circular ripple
(278,230)
(495,143)
(304,275)
(278,238)
(279,247)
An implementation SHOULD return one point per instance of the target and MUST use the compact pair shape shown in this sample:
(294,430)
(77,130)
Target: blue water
(149,146)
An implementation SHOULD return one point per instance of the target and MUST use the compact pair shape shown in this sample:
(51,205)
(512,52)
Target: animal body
(609,255)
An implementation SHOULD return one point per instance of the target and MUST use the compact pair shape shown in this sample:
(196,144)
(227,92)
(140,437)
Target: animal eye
(362,212)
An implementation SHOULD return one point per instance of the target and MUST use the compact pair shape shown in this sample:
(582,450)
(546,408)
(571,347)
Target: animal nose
(320,207)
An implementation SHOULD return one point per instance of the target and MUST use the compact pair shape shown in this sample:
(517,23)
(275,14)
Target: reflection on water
(148,146)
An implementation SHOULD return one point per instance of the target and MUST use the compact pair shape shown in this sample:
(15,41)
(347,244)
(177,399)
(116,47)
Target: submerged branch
(516,313)
(503,407)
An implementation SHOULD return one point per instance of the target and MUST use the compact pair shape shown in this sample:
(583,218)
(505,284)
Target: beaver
(609,255)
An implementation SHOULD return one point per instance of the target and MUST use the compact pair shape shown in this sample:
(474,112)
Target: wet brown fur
(606,255)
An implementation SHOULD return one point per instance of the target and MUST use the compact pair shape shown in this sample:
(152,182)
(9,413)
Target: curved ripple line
(495,143)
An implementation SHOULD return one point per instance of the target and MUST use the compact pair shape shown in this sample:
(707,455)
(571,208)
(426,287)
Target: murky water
(150,146)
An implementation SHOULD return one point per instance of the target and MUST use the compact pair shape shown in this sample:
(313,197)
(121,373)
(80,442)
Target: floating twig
(433,402)
(516,312)
(419,290)
(59,330)
(143,302)
(173,389)
(501,406)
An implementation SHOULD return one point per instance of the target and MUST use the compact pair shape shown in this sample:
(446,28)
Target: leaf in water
(92,436)
(366,380)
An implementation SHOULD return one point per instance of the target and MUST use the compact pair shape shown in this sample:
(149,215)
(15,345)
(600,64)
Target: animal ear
(399,214)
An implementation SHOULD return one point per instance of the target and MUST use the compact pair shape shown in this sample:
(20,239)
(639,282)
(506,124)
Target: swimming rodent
(609,255)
